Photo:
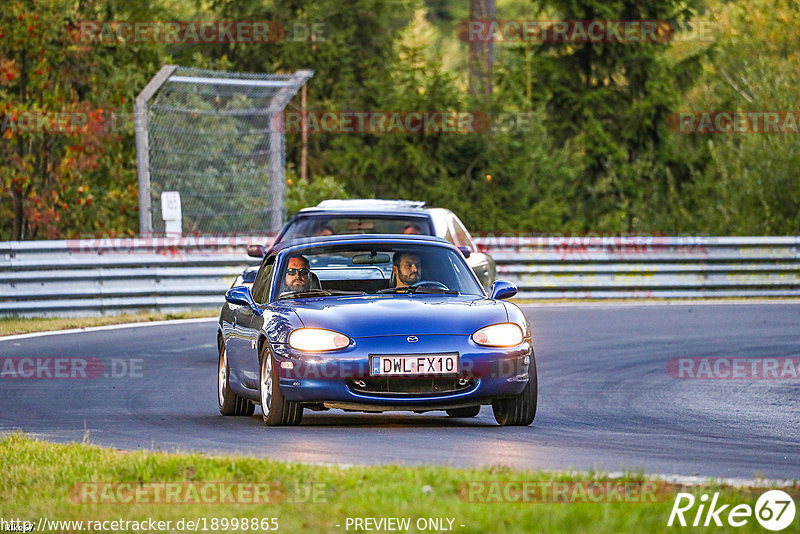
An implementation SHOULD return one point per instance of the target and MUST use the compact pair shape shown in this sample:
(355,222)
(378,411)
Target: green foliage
(613,99)
(578,138)
(751,185)
(79,179)
(304,193)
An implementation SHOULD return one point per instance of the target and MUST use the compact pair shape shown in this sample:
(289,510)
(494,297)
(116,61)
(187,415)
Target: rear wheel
(275,409)
(229,402)
(469,411)
(519,410)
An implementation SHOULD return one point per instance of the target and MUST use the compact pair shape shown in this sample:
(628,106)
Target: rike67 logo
(774,510)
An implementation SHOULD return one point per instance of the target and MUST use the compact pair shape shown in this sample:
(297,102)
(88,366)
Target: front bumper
(342,379)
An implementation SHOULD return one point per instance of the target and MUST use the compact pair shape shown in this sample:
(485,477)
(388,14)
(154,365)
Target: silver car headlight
(317,340)
(499,335)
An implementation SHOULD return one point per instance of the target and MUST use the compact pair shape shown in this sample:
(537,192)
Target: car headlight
(317,339)
(499,335)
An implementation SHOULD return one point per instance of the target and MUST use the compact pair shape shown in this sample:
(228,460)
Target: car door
(248,326)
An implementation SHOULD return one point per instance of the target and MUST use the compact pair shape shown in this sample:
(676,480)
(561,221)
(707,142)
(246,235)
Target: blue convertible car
(373,323)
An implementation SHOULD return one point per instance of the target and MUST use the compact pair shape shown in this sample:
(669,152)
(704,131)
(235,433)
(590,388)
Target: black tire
(519,410)
(469,411)
(229,402)
(275,409)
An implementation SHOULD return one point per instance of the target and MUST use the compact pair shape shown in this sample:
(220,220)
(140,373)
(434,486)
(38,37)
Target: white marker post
(171,213)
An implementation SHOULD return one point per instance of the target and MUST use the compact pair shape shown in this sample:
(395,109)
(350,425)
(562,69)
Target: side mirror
(465,251)
(256,251)
(249,275)
(241,295)
(503,290)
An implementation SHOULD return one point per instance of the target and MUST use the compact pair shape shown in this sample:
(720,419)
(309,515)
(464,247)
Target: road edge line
(108,327)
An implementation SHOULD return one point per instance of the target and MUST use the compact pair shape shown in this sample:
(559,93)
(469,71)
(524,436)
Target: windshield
(321,225)
(329,270)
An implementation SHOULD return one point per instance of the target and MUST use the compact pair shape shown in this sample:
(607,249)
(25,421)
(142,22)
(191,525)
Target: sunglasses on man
(302,272)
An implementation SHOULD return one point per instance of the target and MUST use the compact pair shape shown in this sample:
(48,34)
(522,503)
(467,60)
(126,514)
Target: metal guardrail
(84,277)
(576,267)
(105,276)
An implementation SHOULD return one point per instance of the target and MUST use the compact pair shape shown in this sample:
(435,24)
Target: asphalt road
(606,400)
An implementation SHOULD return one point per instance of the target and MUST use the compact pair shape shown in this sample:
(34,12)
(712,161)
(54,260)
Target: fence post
(143,146)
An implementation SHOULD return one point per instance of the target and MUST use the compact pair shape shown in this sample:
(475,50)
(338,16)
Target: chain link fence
(217,139)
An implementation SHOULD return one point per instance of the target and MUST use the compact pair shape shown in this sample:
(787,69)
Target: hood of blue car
(386,315)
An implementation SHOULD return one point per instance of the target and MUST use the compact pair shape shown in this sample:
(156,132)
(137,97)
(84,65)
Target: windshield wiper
(420,289)
(317,293)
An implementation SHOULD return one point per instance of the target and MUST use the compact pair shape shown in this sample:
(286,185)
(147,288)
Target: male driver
(298,277)
(406,268)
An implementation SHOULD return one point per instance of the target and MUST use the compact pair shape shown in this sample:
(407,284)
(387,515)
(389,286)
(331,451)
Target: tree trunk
(18,214)
(481,53)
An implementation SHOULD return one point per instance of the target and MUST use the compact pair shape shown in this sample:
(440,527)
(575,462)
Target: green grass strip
(25,325)
(62,482)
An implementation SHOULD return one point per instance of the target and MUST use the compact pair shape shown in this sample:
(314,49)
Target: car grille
(399,386)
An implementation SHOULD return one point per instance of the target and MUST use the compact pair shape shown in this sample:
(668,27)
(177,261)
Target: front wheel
(229,402)
(519,410)
(275,409)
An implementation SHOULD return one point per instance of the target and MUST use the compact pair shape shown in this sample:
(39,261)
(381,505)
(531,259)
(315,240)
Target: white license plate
(414,365)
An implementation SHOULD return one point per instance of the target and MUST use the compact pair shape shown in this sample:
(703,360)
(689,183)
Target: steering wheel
(434,284)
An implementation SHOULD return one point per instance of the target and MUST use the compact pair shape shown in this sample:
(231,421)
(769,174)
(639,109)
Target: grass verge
(63,482)
(23,325)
